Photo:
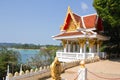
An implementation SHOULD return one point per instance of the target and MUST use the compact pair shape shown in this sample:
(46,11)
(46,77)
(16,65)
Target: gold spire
(69,10)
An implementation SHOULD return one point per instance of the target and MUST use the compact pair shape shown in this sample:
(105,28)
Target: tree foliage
(108,10)
(113,45)
(20,46)
(8,57)
(45,57)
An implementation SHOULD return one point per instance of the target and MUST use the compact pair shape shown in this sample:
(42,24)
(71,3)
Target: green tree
(8,57)
(109,11)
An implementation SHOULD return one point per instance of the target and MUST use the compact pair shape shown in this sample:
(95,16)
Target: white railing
(90,55)
(71,56)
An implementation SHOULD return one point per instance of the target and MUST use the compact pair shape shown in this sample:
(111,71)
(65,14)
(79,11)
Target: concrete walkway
(102,70)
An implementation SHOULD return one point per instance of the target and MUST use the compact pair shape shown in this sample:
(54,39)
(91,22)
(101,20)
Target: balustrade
(71,56)
(42,72)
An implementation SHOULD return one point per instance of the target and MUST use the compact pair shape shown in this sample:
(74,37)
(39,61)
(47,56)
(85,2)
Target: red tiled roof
(69,34)
(90,21)
(78,19)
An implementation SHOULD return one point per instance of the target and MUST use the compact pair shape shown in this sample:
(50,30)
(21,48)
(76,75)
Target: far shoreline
(23,49)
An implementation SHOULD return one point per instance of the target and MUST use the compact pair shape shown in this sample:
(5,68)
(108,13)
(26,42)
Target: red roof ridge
(76,14)
(90,15)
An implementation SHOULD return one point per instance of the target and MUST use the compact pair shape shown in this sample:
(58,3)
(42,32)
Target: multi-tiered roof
(76,26)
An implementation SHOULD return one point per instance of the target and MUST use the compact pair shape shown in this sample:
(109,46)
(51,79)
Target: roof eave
(69,37)
(101,37)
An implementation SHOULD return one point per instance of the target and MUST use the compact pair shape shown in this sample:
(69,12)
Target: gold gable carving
(71,26)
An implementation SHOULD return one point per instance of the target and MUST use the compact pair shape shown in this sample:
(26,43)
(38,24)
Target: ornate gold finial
(69,10)
(55,69)
(82,64)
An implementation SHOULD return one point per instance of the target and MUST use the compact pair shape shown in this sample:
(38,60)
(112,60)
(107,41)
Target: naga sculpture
(55,69)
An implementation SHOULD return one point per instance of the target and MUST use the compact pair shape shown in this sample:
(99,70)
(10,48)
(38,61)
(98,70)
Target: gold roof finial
(69,10)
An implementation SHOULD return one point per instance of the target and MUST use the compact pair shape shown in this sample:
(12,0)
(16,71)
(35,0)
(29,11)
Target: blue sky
(35,21)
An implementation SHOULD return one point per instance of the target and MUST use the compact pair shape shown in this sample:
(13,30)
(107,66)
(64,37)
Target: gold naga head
(56,59)
(82,64)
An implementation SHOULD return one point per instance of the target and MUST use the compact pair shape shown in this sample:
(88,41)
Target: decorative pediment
(70,23)
(71,26)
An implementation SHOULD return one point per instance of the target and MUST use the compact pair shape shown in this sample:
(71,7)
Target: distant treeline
(23,46)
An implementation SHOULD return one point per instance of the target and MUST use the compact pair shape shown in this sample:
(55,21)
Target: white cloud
(84,6)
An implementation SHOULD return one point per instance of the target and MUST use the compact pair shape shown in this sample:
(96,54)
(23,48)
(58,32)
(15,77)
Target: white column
(82,74)
(84,48)
(69,47)
(65,49)
(73,47)
(7,78)
(90,49)
(64,46)
(84,51)
(80,49)
(21,67)
(98,46)
(8,70)
(93,50)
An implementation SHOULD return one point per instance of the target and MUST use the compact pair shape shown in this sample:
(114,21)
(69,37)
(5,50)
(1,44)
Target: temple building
(80,36)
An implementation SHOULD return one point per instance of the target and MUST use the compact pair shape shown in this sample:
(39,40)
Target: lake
(27,53)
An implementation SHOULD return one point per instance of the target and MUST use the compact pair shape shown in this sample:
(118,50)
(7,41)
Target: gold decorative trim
(91,42)
(64,42)
(81,42)
(99,42)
